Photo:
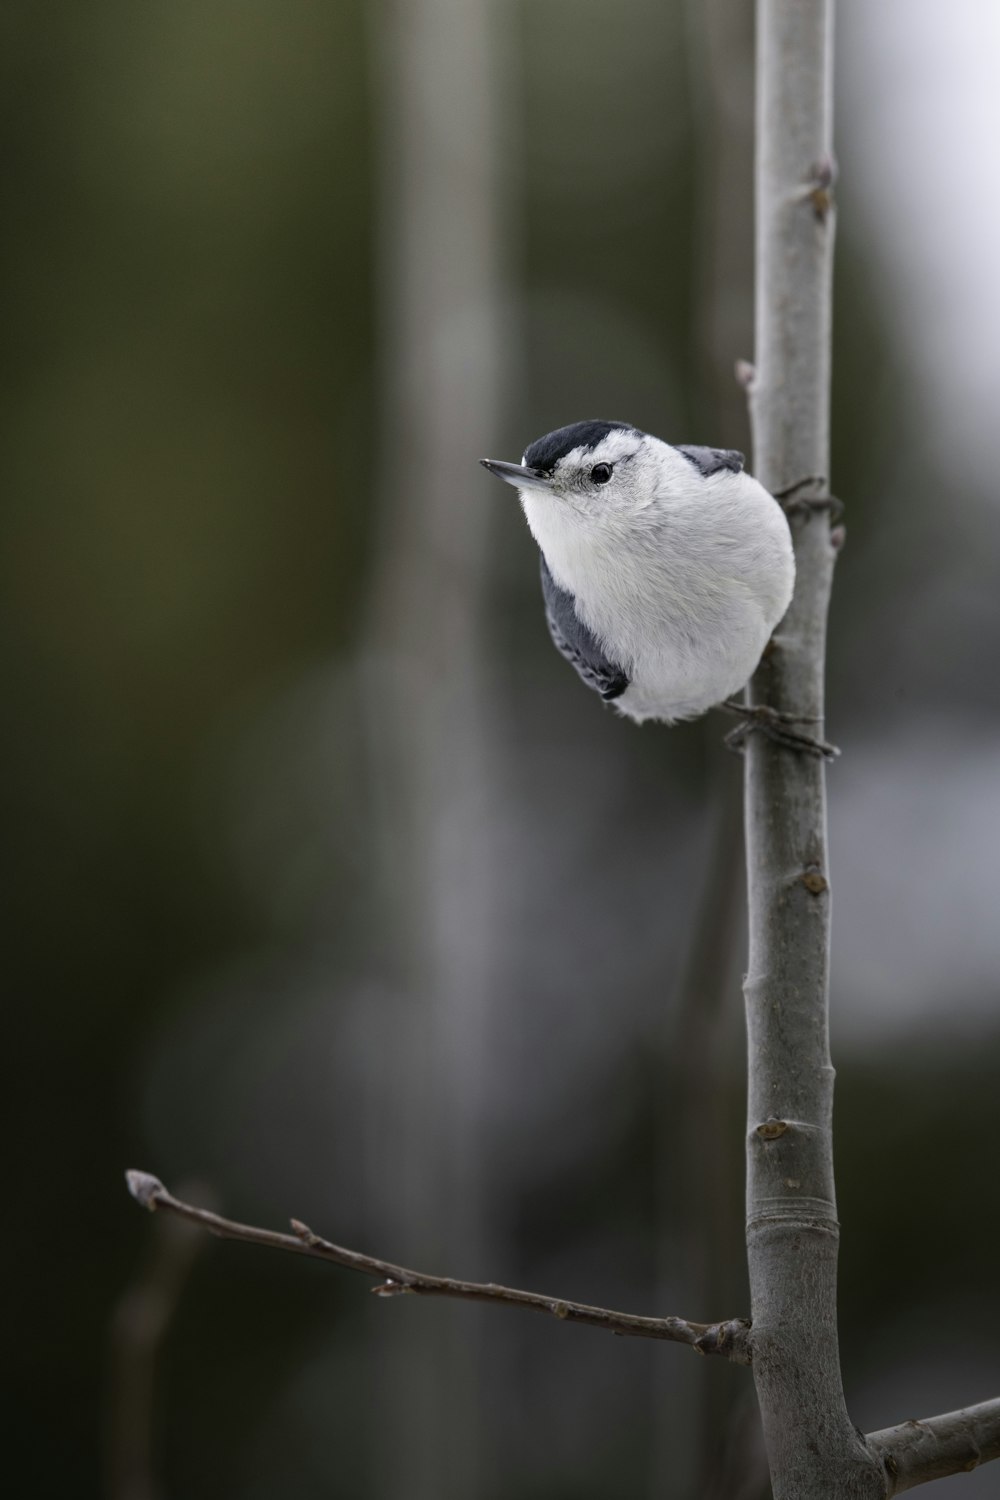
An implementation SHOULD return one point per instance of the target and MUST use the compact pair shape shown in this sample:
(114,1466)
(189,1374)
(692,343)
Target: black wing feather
(578,644)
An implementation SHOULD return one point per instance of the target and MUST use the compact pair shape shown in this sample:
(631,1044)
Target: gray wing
(712,460)
(579,645)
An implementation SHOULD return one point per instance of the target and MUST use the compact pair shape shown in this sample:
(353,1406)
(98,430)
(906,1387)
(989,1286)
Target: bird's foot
(792,500)
(777,726)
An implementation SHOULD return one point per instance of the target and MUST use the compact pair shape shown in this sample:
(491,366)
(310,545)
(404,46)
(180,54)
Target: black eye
(601,473)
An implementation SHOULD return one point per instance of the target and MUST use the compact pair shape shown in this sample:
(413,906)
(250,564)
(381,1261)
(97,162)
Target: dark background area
(329,889)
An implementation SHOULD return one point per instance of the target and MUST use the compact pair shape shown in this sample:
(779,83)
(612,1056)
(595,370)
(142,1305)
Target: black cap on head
(545,452)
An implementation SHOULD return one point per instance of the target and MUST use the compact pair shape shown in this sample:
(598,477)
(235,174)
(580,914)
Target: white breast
(684,594)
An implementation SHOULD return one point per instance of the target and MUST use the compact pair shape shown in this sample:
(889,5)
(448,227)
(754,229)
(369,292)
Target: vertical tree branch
(792,1231)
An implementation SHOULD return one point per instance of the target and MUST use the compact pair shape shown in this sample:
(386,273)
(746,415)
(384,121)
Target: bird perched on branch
(664,569)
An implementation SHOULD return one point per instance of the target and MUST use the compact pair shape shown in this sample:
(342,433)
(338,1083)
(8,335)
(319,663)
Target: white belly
(684,678)
(683,595)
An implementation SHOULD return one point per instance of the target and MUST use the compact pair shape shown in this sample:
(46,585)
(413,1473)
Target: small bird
(664,569)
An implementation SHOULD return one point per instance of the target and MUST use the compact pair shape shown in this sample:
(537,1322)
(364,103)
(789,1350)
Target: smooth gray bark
(814,1451)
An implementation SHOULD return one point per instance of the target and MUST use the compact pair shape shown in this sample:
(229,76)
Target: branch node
(731,1338)
(746,373)
(814,881)
(391,1289)
(820,187)
(769,1130)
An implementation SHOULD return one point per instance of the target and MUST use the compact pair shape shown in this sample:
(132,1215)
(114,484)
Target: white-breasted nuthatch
(664,569)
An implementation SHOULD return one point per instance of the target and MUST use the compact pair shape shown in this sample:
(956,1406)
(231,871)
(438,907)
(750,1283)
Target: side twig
(953,1443)
(729,1338)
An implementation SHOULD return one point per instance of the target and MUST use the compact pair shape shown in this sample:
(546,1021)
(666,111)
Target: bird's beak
(518,475)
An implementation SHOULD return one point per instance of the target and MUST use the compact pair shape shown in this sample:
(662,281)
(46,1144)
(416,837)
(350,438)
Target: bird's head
(603,473)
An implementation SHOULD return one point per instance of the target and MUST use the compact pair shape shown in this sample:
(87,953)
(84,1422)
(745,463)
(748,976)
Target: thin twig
(954,1443)
(729,1338)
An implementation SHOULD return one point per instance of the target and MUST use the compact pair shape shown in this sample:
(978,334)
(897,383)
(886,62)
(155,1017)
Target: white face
(626,473)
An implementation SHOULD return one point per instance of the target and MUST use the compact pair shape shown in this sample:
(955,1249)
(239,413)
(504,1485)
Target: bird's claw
(777,726)
(792,500)
(813,503)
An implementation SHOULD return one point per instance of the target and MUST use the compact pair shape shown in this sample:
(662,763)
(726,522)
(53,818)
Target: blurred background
(330,891)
